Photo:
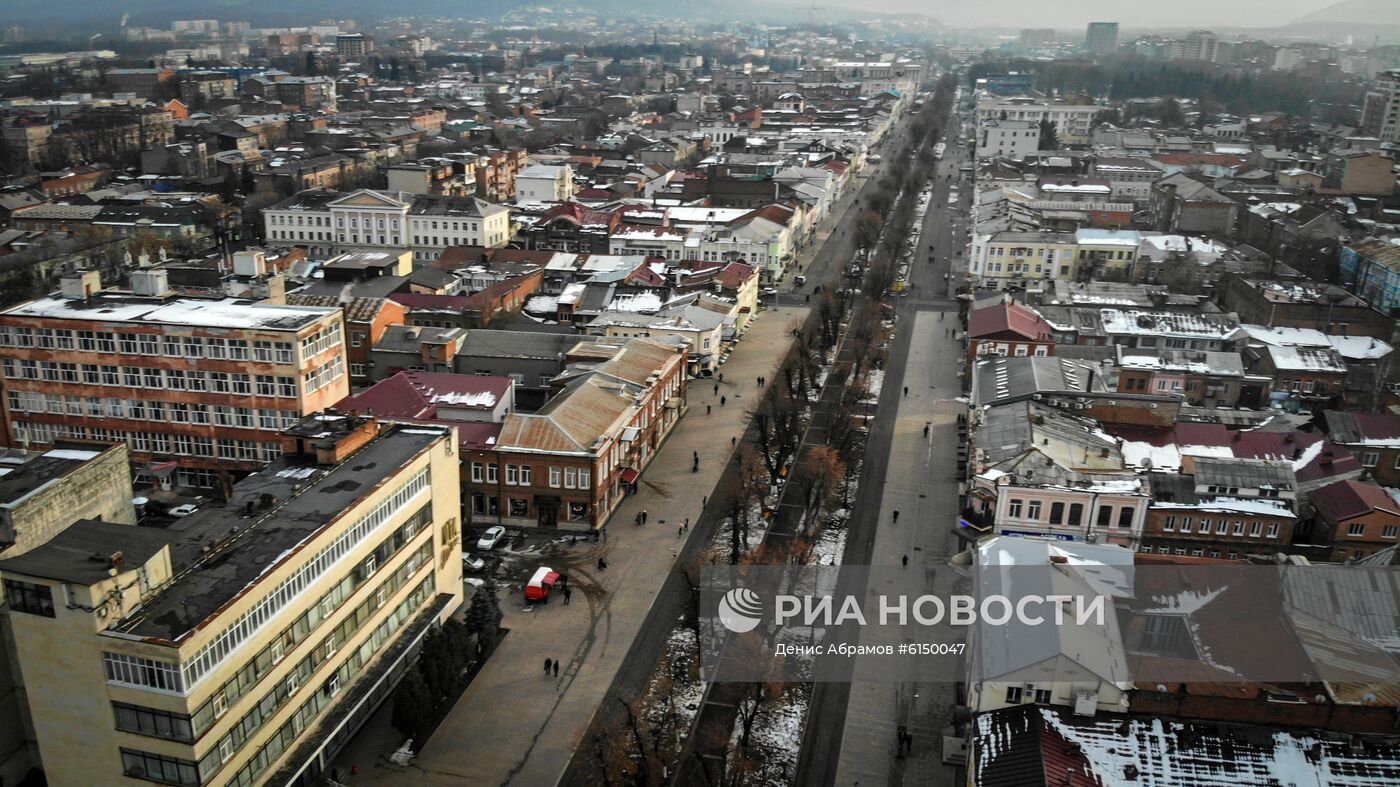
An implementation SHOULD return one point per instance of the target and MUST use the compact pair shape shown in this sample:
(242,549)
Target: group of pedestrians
(551,666)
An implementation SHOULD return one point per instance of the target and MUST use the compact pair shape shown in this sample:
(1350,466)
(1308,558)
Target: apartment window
(1273,530)
(512,474)
(159,768)
(1169,524)
(519,507)
(1076,514)
(1390,531)
(1013,509)
(491,474)
(555,477)
(1057,513)
(29,598)
(1370,458)
(1033,511)
(1013,694)
(478,472)
(1042,696)
(1355,529)
(1125,517)
(146,673)
(1256,529)
(358,370)
(1238,529)
(1105,517)
(153,722)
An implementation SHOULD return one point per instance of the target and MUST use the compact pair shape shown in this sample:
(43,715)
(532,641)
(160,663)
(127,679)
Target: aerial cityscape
(619,393)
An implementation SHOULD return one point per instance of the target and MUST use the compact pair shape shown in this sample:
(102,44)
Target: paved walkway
(515,726)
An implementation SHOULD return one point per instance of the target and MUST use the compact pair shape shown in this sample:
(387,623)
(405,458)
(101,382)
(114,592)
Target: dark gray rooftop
(242,548)
(38,472)
(81,553)
(520,344)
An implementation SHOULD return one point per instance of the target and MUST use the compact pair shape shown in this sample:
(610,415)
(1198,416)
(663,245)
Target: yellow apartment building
(247,642)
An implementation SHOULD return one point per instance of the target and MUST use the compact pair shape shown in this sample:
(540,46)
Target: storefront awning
(629,476)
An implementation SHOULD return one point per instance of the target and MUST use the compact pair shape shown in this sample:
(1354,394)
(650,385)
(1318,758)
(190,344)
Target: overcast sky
(1064,14)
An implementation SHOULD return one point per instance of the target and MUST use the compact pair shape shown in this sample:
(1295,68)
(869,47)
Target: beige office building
(247,642)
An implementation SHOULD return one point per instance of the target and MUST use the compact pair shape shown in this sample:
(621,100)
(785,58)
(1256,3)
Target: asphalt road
(853,743)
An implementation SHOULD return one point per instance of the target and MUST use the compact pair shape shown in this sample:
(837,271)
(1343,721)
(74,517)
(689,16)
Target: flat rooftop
(241,549)
(189,312)
(19,482)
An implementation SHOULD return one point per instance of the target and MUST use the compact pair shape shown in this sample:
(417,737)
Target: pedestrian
(721,401)
(556,668)
(695,465)
(906,560)
(704,501)
(696,456)
(707,409)
(686,526)
(721,376)
(644,516)
(896,515)
(716,389)
(595,536)
(602,564)
(733,441)
(547,664)
(925,430)
(906,390)
(680,530)
(605,534)
(567,593)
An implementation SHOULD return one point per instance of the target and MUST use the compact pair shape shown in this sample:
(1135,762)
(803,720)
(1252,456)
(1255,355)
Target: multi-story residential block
(1093,508)
(1357,518)
(353,45)
(1074,123)
(1006,257)
(1199,45)
(1101,38)
(200,87)
(1359,172)
(1207,379)
(329,221)
(1223,508)
(222,651)
(1297,303)
(1373,438)
(42,496)
(1033,37)
(1129,178)
(544,183)
(1313,375)
(199,388)
(1371,269)
(1012,139)
(144,82)
(1380,114)
(1179,203)
(366,320)
(570,464)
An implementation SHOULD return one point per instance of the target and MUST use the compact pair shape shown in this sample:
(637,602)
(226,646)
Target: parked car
(489,539)
(184,510)
(471,562)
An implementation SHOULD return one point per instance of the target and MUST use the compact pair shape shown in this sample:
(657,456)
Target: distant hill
(1372,12)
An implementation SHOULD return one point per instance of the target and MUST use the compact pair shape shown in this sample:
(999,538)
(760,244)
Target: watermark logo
(740,610)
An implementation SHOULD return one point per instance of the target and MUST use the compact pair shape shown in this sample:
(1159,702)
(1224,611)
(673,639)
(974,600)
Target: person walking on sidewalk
(644,516)
(547,664)
(896,515)
(716,389)
(556,668)
(567,595)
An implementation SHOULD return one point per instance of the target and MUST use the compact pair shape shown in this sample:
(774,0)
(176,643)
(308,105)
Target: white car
(490,537)
(184,510)
(471,562)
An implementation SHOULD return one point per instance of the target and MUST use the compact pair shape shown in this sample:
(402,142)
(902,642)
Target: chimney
(80,286)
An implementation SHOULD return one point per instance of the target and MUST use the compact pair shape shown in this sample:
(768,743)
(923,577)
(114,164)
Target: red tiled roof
(1008,317)
(418,396)
(1287,446)
(1346,500)
(1377,426)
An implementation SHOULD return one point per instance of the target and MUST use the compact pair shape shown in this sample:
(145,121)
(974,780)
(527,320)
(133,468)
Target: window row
(147,377)
(254,619)
(1221,527)
(309,621)
(320,700)
(306,668)
(1030,511)
(148,344)
(152,442)
(324,375)
(142,410)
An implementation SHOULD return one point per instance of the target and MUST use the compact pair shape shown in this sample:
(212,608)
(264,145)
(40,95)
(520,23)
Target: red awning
(629,476)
